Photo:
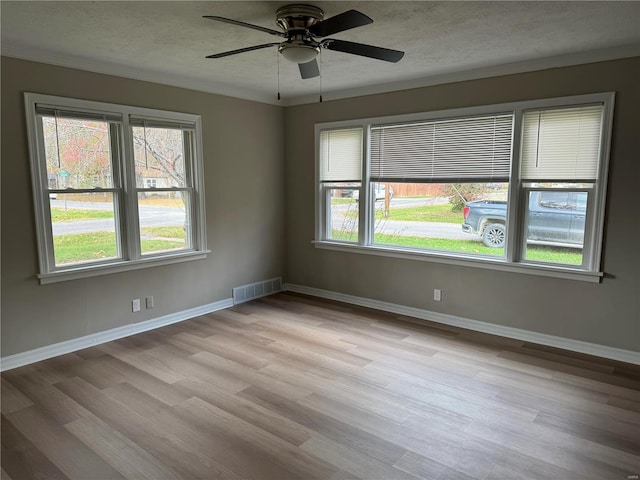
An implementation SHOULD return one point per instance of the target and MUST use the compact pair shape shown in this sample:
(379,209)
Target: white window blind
(156,123)
(341,155)
(460,150)
(561,144)
(77,114)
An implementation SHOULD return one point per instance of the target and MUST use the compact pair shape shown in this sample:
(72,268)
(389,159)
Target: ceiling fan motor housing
(296,19)
(298,16)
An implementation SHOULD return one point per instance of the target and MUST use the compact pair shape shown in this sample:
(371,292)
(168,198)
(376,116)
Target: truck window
(581,201)
(559,200)
(563,200)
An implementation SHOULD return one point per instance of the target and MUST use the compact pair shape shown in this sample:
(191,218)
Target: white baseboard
(68,346)
(603,351)
(31,356)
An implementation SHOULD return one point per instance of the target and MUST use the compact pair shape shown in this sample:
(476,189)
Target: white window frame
(326,187)
(124,190)
(512,261)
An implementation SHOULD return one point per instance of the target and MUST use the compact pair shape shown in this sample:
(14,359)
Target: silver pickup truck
(554,218)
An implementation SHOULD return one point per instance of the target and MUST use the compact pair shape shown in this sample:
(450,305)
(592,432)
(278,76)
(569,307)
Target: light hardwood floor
(295,387)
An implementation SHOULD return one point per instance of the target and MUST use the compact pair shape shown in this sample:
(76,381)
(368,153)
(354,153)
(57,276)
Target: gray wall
(249,186)
(606,313)
(244,182)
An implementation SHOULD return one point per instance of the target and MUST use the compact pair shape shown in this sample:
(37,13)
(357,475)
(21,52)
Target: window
(513,187)
(434,168)
(115,187)
(340,174)
(559,172)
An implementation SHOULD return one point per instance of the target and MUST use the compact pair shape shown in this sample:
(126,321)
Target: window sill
(117,267)
(465,261)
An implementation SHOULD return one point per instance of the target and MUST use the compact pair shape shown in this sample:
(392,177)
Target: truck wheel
(493,235)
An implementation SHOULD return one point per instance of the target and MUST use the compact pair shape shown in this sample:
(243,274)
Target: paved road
(149,216)
(171,216)
(451,231)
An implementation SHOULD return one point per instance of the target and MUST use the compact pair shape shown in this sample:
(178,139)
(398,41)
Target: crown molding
(581,58)
(37,54)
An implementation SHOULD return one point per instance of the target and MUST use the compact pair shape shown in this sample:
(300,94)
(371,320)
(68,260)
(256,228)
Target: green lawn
(427,213)
(83,247)
(444,244)
(542,253)
(567,256)
(73,214)
(342,201)
(165,232)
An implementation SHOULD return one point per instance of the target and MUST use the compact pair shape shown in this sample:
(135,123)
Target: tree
(79,149)
(461,193)
(159,153)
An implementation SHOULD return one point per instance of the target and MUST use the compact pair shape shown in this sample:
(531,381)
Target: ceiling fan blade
(363,50)
(309,69)
(243,24)
(242,50)
(339,23)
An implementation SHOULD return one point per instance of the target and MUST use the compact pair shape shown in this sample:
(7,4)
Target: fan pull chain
(321,68)
(278,62)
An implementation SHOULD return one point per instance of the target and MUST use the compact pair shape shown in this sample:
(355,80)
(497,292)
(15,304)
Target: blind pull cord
(538,139)
(144,129)
(493,147)
(329,155)
(55,115)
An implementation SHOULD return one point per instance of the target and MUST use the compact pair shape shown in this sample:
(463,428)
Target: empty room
(333,240)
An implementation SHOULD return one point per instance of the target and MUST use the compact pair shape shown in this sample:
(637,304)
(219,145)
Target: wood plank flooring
(293,387)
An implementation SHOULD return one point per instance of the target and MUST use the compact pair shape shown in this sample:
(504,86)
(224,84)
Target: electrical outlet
(437,294)
(135,305)
(149,301)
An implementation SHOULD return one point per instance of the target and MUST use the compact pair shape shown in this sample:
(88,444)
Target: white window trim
(514,220)
(48,272)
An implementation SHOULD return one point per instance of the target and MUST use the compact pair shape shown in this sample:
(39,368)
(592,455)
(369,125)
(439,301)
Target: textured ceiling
(167,41)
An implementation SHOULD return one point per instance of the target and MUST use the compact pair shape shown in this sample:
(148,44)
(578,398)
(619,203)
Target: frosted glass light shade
(298,53)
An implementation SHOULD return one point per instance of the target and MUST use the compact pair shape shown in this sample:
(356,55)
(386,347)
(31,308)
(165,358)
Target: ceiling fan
(301,25)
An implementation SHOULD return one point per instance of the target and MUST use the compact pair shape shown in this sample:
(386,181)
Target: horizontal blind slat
(563,144)
(52,111)
(156,123)
(341,155)
(477,148)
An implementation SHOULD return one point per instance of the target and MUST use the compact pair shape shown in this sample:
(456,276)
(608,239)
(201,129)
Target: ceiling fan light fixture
(303,27)
(298,53)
